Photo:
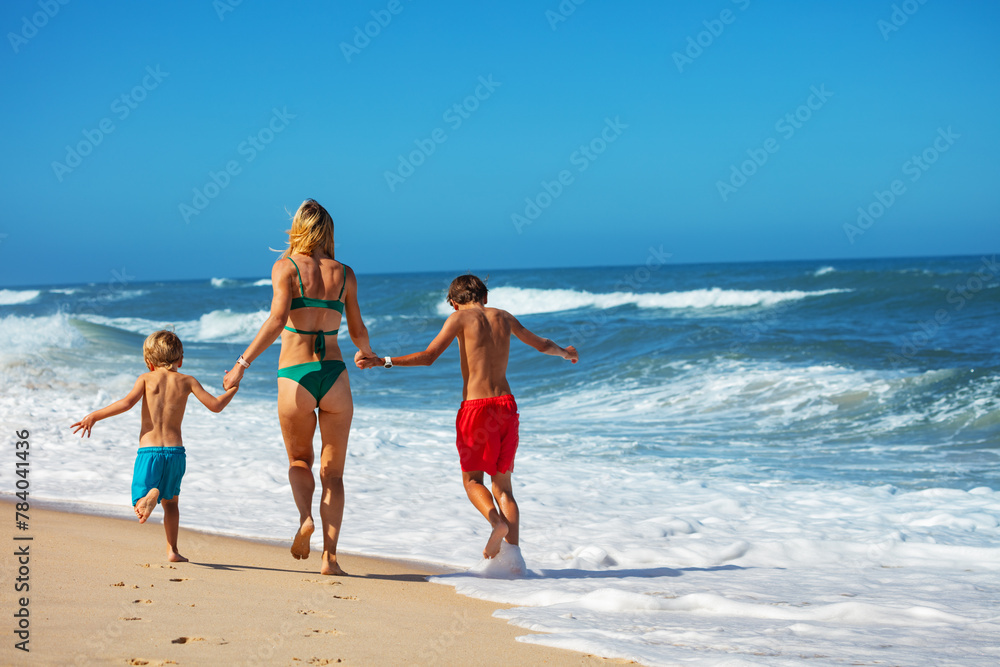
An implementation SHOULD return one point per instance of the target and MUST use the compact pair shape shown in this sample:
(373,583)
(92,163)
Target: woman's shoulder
(323,262)
(282,266)
(326,261)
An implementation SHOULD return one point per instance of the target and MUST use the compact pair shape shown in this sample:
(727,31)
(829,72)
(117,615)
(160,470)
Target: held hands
(233,376)
(365,362)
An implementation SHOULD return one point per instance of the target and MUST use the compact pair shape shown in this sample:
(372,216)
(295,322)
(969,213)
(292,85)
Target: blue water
(764,463)
(866,371)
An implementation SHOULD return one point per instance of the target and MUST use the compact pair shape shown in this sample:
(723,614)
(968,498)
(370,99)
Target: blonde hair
(312,227)
(162,349)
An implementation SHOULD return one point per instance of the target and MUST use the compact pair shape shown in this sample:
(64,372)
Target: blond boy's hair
(312,227)
(162,349)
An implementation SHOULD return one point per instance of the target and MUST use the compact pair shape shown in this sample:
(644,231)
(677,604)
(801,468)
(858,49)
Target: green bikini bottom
(316,377)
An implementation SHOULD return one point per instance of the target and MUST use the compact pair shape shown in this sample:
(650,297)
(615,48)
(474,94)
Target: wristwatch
(388,362)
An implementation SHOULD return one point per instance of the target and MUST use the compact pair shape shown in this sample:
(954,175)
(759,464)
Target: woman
(311,292)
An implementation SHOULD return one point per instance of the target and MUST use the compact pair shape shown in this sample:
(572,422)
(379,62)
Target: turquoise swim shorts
(158,468)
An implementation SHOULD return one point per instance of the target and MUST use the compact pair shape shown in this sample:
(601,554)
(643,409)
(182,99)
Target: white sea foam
(100,297)
(108,295)
(13,297)
(508,564)
(824,270)
(771,396)
(530,301)
(223,326)
(217,326)
(67,290)
(232,282)
(643,560)
(32,335)
(639,561)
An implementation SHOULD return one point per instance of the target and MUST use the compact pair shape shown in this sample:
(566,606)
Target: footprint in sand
(181,579)
(142,602)
(323,661)
(131,618)
(120,583)
(327,582)
(324,632)
(185,640)
(346,597)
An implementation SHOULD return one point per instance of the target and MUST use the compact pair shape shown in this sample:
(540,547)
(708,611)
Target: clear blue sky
(886,95)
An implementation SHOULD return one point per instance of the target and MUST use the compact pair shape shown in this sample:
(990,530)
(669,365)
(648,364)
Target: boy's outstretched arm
(543,345)
(211,402)
(124,405)
(428,356)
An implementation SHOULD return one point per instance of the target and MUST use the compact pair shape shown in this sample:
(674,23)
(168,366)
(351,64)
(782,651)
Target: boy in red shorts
(487,421)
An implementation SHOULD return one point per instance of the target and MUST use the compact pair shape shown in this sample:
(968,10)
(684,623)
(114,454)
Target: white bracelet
(242,362)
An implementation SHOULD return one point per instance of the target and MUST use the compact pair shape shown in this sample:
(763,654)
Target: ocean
(752,464)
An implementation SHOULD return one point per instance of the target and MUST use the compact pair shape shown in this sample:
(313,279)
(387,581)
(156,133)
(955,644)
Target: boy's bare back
(484,346)
(164,399)
(164,393)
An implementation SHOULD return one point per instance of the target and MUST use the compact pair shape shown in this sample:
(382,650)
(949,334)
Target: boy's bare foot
(330,565)
(146,505)
(175,557)
(300,543)
(496,537)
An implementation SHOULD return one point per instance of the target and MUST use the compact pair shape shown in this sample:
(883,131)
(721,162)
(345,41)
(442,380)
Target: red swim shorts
(487,434)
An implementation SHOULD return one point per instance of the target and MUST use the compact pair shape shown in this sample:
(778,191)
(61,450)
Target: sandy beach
(101,592)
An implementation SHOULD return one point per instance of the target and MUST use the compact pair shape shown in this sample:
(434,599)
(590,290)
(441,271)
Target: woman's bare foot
(175,557)
(496,537)
(300,543)
(330,565)
(146,505)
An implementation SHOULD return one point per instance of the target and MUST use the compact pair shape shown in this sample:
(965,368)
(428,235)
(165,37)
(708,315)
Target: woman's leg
(336,410)
(296,411)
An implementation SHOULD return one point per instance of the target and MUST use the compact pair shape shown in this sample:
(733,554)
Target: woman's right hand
(364,362)
(233,377)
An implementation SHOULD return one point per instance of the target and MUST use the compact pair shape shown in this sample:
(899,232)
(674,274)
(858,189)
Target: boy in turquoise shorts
(160,461)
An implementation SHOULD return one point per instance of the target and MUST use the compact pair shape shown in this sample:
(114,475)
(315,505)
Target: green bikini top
(302,301)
